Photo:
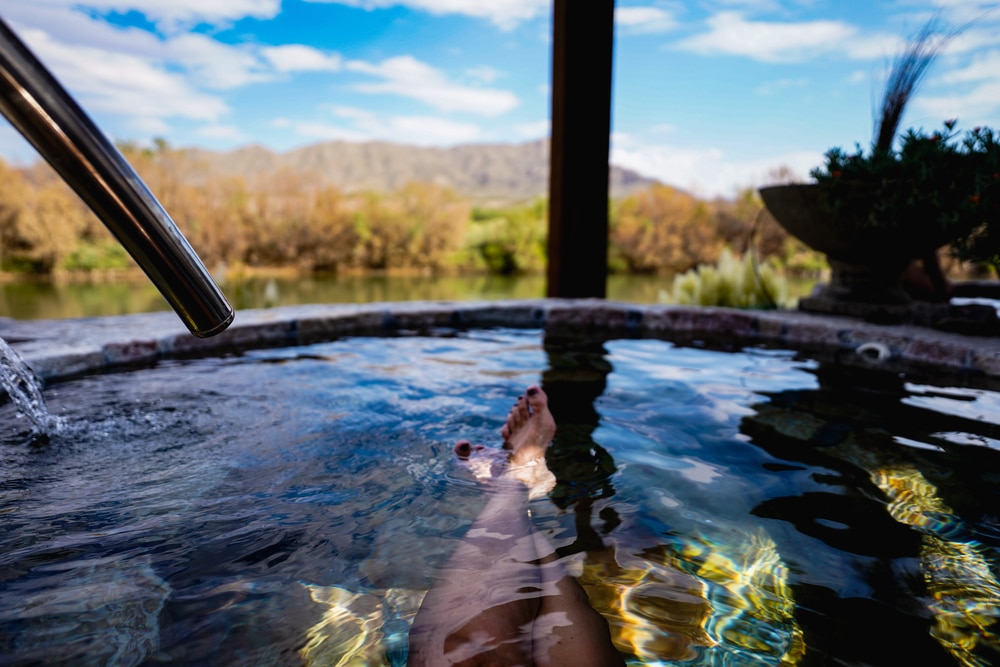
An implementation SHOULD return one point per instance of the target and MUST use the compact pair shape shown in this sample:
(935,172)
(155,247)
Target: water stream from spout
(25,391)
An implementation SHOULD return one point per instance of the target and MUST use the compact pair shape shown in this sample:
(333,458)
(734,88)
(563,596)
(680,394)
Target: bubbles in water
(25,391)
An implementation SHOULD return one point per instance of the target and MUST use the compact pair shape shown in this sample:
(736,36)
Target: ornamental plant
(937,188)
(933,189)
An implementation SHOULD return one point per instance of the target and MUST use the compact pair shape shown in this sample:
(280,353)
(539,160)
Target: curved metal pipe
(41,110)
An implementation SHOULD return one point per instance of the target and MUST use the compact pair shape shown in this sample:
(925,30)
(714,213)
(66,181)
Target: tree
(418,226)
(661,229)
(39,226)
(512,239)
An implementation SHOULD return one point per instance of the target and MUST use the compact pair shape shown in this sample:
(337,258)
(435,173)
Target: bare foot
(527,433)
(530,427)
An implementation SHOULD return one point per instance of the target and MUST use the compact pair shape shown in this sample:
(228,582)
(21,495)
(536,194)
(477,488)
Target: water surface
(26,300)
(291,506)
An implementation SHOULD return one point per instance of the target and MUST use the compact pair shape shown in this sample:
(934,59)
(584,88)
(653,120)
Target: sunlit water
(291,506)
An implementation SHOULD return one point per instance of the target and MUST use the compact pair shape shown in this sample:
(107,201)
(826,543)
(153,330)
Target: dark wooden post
(582,54)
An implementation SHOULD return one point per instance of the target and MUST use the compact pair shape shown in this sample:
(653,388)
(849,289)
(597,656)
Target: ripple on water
(293,506)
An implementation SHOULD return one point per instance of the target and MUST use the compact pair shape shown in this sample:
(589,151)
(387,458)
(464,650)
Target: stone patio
(57,349)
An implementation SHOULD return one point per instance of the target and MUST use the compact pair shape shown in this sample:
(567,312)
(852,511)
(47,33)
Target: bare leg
(503,598)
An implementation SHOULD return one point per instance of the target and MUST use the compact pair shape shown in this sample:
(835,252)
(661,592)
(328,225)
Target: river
(30,300)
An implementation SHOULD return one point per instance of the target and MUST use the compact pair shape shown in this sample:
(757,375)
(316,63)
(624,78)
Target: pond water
(291,506)
(32,300)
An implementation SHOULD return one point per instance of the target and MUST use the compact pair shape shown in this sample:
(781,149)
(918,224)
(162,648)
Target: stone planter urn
(866,261)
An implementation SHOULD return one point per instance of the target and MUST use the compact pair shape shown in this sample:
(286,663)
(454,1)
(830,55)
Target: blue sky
(711,96)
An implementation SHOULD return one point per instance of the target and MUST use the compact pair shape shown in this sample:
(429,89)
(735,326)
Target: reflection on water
(48,300)
(292,506)
(360,628)
(965,592)
(699,601)
(956,567)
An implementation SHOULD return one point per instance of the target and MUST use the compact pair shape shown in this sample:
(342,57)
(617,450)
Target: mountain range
(497,173)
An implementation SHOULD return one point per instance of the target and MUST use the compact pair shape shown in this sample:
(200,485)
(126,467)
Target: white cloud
(173,15)
(363,125)
(301,58)
(68,26)
(196,57)
(978,106)
(149,126)
(483,73)
(756,6)
(969,91)
(408,77)
(706,172)
(505,14)
(961,11)
(641,20)
(536,130)
(123,84)
(426,130)
(211,63)
(731,34)
(982,67)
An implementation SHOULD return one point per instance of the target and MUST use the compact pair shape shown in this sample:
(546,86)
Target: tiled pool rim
(56,349)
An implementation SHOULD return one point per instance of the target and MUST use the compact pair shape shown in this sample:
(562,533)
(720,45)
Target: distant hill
(499,173)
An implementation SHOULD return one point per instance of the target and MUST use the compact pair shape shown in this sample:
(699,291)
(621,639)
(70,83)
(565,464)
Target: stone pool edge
(56,349)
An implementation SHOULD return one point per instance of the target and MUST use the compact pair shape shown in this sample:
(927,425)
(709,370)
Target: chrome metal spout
(39,107)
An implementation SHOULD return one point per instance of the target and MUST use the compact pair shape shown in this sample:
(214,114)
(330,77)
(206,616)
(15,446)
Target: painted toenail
(532,391)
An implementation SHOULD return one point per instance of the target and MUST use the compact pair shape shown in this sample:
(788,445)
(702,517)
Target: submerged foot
(527,433)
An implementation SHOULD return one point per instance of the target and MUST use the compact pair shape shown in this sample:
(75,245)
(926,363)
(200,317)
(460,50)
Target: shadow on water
(898,504)
(663,598)
(891,558)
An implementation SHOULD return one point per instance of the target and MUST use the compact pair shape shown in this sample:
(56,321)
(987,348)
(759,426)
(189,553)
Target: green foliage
(290,219)
(97,256)
(798,259)
(662,230)
(733,282)
(419,226)
(39,223)
(505,241)
(935,187)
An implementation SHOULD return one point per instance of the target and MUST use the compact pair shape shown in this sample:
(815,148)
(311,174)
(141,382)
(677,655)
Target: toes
(524,409)
(463,448)
(536,398)
(520,412)
(517,416)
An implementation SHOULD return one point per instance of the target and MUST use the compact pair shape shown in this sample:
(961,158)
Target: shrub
(734,282)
